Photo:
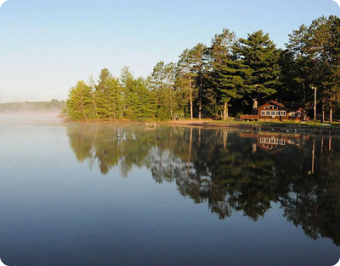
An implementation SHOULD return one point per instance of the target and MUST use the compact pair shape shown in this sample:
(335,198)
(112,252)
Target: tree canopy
(230,77)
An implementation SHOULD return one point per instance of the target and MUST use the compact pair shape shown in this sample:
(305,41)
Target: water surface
(88,194)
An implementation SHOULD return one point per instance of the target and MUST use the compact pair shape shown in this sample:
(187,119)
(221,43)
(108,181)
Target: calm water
(79,194)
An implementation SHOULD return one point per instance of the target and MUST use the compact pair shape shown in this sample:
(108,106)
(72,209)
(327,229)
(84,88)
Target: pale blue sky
(48,45)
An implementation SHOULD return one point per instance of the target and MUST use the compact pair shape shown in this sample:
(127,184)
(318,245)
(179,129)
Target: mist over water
(31,112)
(31,117)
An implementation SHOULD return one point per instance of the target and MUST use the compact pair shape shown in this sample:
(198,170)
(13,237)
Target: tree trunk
(94,105)
(110,111)
(191,109)
(255,105)
(323,112)
(331,114)
(82,107)
(225,111)
(114,110)
(200,99)
(170,94)
(304,92)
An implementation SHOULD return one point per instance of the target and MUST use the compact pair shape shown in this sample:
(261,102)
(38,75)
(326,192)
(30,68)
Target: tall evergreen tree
(198,61)
(185,79)
(114,98)
(227,72)
(162,81)
(260,55)
(79,104)
(127,80)
(296,63)
(103,104)
(92,84)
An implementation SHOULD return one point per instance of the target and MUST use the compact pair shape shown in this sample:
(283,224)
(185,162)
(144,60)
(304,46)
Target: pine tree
(104,106)
(227,73)
(127,80)
(185,79)
(79,104)
(162,81)
(198,61)
(260,55)
(114,98)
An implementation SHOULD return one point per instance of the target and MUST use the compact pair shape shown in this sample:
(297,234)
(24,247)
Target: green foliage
(316,60)
(79,104)
(227,77)
(259,54)
(162,83)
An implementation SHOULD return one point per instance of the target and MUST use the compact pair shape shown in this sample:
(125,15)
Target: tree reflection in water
(229,171)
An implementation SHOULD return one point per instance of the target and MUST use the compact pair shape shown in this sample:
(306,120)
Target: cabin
(276,111)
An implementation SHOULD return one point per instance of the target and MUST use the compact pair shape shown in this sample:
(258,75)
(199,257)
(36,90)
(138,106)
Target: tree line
(16,107)
(230,77)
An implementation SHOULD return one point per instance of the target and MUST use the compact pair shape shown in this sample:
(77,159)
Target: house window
(268,113)
(273,113)
(292,114)
(277,113)
(263,113)
(283,113)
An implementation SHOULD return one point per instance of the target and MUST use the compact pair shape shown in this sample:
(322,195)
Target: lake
(120,194)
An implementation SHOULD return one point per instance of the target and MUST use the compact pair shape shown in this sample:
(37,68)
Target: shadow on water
(229,171)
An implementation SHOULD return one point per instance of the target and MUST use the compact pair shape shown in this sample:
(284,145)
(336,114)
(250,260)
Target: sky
(46,46)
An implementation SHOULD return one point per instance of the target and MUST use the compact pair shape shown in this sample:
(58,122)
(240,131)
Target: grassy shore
(232,121)
(280,124)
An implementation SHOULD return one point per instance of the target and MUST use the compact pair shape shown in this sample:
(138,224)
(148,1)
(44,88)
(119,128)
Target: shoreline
(256,127)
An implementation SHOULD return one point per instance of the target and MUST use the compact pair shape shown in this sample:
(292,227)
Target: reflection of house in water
(273,142)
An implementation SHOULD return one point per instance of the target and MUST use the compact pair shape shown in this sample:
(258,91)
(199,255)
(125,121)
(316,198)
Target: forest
(231,76)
